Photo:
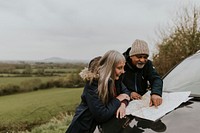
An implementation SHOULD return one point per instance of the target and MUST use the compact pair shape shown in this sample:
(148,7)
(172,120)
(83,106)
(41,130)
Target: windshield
(185,76)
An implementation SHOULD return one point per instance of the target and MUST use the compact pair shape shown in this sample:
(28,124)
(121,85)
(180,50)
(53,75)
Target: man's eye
(140,56)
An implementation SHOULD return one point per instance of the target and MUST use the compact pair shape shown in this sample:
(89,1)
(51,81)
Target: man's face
(139,60)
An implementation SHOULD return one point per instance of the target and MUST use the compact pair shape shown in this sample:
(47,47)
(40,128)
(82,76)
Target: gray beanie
(139,47)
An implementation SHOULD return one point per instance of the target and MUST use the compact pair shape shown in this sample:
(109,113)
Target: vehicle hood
(184,119)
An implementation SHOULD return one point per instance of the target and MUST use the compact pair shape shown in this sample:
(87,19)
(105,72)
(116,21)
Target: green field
(18,80)
(27,109)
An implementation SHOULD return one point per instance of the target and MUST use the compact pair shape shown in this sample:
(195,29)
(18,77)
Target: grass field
(27,109)
(18,80)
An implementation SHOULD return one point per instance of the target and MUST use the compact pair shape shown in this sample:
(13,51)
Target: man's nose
(143,59)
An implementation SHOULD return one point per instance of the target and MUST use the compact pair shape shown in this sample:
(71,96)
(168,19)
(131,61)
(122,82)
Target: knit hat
(139,47)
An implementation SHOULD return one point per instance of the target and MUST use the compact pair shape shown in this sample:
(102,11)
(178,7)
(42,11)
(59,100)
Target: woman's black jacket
(92,111)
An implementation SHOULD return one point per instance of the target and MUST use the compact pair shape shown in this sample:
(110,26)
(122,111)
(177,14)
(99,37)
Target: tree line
(178,41)
(64,75)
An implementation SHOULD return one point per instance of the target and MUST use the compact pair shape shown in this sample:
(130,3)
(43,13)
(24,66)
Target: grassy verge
(23,111)
(57,124)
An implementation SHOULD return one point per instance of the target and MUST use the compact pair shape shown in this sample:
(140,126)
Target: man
(139,73)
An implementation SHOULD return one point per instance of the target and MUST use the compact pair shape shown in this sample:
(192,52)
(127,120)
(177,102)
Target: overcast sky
(79,29)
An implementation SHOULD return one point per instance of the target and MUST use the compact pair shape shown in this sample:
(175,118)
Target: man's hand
(155,100)
(135,96)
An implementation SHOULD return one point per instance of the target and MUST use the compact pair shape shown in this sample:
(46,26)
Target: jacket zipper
(136,82)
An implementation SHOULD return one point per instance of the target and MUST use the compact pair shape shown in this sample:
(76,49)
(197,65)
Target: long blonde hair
(107,66)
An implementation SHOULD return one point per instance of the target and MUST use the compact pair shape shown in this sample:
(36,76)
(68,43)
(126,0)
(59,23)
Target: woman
(104,96)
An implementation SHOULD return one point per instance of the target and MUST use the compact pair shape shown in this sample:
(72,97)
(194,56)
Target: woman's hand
(122,97)
(121,111)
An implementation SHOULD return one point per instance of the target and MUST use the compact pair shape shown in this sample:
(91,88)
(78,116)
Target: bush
(9,89)
(30,85)
(182,41)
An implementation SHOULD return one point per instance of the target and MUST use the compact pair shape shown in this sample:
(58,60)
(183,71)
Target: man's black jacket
(138,80)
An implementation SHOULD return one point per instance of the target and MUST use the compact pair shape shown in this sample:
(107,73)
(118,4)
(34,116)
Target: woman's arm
(100,111)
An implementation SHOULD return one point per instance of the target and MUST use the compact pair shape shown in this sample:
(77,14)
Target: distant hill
(47,60)
(61,60)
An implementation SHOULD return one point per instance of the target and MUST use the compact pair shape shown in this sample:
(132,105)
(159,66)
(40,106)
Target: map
(140,108)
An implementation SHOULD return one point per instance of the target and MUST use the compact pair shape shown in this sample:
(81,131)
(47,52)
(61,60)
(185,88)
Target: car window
(185,76)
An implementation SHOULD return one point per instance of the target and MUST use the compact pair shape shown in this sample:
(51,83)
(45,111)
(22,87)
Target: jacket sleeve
(124,89)
(100,111)
(155,80)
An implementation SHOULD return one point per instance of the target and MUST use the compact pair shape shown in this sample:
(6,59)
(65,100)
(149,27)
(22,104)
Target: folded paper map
(140,108)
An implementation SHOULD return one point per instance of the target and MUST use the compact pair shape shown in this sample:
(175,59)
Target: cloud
(78,29)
